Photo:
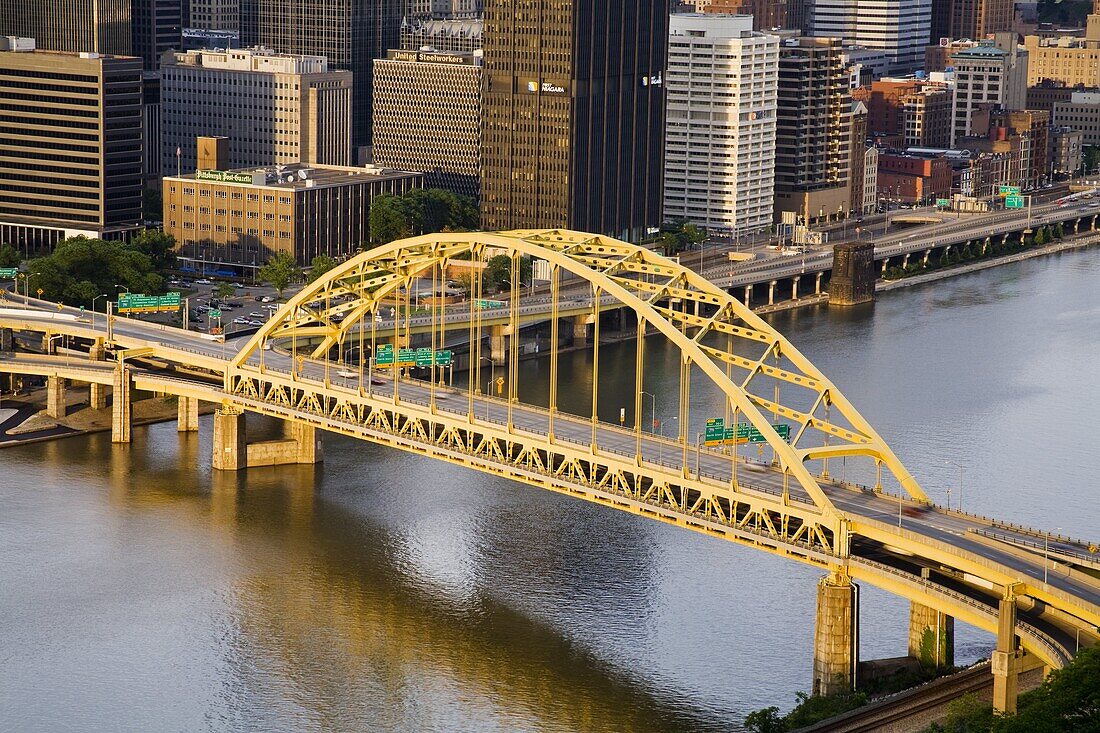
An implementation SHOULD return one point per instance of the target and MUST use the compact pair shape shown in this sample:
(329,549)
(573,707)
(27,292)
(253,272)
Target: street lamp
(1046,553)
(104,295)
(652,410)
(961,469)
(492,380)
(26,276)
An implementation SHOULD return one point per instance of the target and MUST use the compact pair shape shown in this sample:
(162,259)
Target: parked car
(267,299)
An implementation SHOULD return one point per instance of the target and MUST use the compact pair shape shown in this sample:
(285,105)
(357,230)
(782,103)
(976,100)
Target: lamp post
(960,487)
(1046,554)
(104,295)
(652,410)
(489,384)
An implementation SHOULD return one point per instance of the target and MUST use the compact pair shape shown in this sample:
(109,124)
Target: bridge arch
(735,349)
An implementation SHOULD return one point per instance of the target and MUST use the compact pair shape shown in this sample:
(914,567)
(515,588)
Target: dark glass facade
(573,115)
(157,27)
(350,33)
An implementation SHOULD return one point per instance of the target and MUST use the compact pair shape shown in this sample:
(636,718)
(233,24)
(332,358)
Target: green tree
(152,204)
(224,291)
(680,235)
(279,271)
(1069,700)
(160,248)
(1091,159)
(767,720)
(9,256)
(388,220)
(320,265)
(498,270)
(79,269)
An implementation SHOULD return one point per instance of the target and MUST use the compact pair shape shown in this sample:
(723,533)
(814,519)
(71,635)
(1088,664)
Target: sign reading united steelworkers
(223,176)
(141,303)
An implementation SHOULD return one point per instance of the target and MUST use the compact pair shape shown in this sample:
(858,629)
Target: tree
(1069,700)
(320,265)
(388,220)
(1091,160)
(9,256)
(152,205)
(224,291)
(160,248)
(279,271)
(498,271)
(681,235)
(80,269)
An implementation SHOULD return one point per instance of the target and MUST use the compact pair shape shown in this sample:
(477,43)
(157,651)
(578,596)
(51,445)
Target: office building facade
(720,140)
(93,26)
(239,219)
(215,15)
(812,129)
(573,115)
(1081,112)
(988,75)
(70,165)
(427,117)
(275,108)
(898,27)
(973,19)
(351,34)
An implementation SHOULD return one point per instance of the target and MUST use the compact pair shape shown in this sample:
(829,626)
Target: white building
(898,27)
(274,108)
(720,135)
(870,180)
(990,73)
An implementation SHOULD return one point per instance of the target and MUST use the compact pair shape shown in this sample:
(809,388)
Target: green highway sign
(8,273)
(485,304)
(215,313)
(1014,201)
(141,303)
(943,203)
(716,431)
(1009,190)
(421,357)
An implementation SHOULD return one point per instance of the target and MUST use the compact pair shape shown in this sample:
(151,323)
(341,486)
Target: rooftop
(297,176)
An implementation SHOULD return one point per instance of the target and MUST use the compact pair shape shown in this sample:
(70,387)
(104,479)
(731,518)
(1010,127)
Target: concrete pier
(230,451)
(233,452)
(498,344)
(580,330)
(97,396)
(836,635)
(122,413)
(1005,658)
(931,637)
(55,397)
(187,415)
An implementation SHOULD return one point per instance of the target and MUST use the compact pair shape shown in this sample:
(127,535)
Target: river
(382,591)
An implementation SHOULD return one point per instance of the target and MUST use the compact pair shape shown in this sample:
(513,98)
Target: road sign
(215,313)
(716,431)
(1008,191)
(943,203)
(422,357)
(8,273)
(486,304)
(745,433)
(1014,202)
(141,303)
(40,291)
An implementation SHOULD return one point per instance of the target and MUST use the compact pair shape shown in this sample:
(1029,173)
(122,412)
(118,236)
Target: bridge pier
(580,331)
(498,344)
(55,397)
(1004,239)
(122,416)
(232,451)
(794,287)
(748,296)
(771,292)
(836,635)
(47,343)
(931,637)
(905,260)
(5,339)
(1005,658)
(187,414)
(97,396)
(885,264)
(817,283)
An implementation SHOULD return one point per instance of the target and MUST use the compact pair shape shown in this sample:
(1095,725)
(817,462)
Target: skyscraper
(898,27)
(157,27)
(973,19)
(351,34)
(95,26)
(573,115)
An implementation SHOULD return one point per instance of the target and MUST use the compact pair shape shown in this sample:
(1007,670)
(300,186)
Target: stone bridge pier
(836,635)
(233,452)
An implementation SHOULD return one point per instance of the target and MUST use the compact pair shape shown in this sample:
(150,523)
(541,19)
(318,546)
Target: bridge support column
(794,287)
(47,343)
(931,637)
(122,416)
(187,415)
(1092,224)
(309,448)
(498,344)
(97,396)
(5,339)
(748,296)
(836,635)
(1005,662)
(230,447)
(771,292)
(1004,239)
(885,264)
(927,254)
(97,352)
(580,331)
(55,397)
(817,283)
(905,260)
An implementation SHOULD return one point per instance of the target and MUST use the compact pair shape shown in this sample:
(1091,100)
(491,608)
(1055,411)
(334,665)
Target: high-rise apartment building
(215,15)
(70,145)
(720,141)
(812,129)
(274,108)
(427,116)
(1081,112)
(898,27)
(351,34)
(992,73)
(573,115)
(93,26)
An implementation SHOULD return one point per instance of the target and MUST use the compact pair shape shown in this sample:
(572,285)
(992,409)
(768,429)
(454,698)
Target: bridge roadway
(970,592)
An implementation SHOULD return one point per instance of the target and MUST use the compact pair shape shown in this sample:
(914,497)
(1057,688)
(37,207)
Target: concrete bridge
(1040,605)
